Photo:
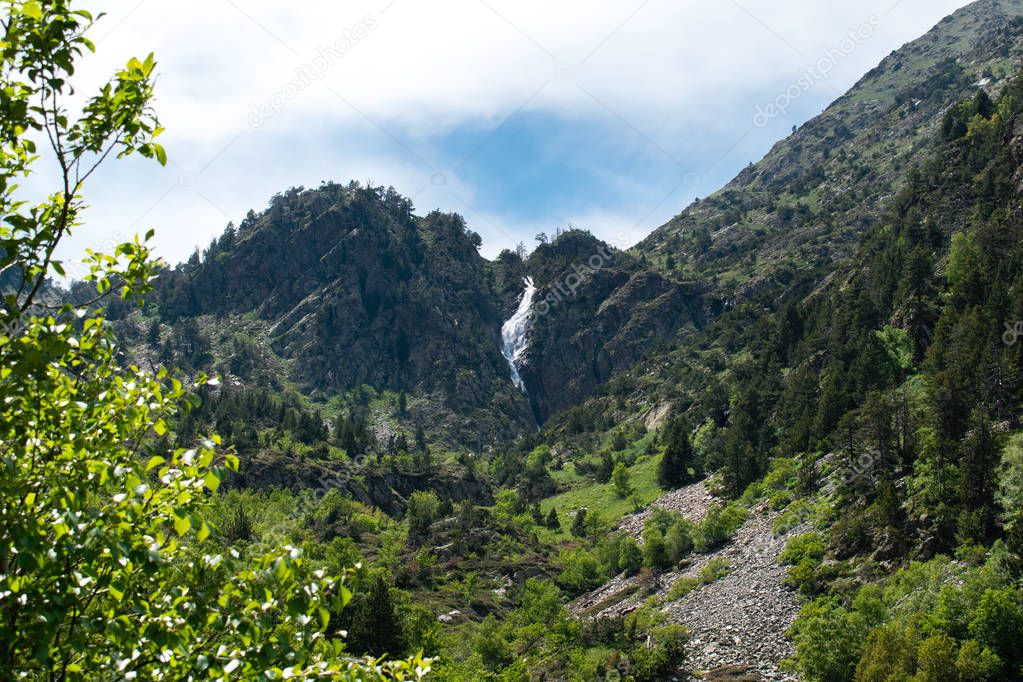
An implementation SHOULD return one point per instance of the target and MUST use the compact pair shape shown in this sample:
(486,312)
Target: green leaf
(212,481)
(182,524)
(160,427)
(32,10)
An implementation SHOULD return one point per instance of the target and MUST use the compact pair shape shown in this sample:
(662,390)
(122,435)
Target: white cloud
(669,69)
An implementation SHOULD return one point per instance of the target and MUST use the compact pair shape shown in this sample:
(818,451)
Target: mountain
(790,225)
(802,396)
(346,288)
(352,289)
(597,310)
(814,195)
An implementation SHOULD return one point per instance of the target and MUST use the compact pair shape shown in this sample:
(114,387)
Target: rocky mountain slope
(814,195)
(355,289)
(597,311)
(737,621)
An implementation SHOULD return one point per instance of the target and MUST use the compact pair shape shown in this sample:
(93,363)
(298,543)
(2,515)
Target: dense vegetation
(105,558)
(836,338)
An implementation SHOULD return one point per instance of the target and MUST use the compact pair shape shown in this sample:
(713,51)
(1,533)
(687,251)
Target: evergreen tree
(579,523)
(620,479)
(552,519)
(677,465)
(375,627)
(978,479)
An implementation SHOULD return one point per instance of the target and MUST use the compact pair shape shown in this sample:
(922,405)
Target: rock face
(597,311)
(382,488)
(357,290)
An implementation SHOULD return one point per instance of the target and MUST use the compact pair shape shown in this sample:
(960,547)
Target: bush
(661,660)
(809,546)
(998,624)
(580,570)
(655,553)
(977,662)
(679,541)
(804,554)
(718,527)
(491,645)
(630,557)
(830,638)
(620,478)
(890,654)
(936,658)
(423,509)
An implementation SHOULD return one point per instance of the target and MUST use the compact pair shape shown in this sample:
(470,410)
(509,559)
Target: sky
(523,116)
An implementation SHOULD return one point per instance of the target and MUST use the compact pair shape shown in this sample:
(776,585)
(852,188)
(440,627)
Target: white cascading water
(514,331)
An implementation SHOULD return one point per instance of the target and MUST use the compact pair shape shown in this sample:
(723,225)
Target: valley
(778,439)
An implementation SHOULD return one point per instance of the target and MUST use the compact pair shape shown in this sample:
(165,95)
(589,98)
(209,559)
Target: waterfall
(513,334)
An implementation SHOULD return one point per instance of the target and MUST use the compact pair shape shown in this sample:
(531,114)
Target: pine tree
(620,479)
(677,464)
(978,479)
(579,523)
(375,627)
(552,520)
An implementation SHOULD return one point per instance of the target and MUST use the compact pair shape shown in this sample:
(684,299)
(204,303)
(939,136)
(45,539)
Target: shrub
(630,556)
(679,541)
(423,509)
(890,654)
(977,662)
(998,624)
(804,554)
(655,553)
(809,546)
(621,480)
(936,658)
(829,637)
(718,527)
(663,658)
(580,570)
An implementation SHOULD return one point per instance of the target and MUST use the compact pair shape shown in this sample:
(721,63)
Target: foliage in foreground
(102,568)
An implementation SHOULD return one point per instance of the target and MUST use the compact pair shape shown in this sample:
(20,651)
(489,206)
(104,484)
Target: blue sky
(523,116)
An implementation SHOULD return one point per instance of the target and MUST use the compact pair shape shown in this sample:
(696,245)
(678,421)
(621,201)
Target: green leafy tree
(423,509)
(655,553)
(620,479)
(630,556)
(1010,494)
(103,562)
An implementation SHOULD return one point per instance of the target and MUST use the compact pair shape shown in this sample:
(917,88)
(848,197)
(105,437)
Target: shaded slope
(357,290)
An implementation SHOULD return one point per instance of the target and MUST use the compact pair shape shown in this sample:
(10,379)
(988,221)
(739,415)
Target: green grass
(601,497)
